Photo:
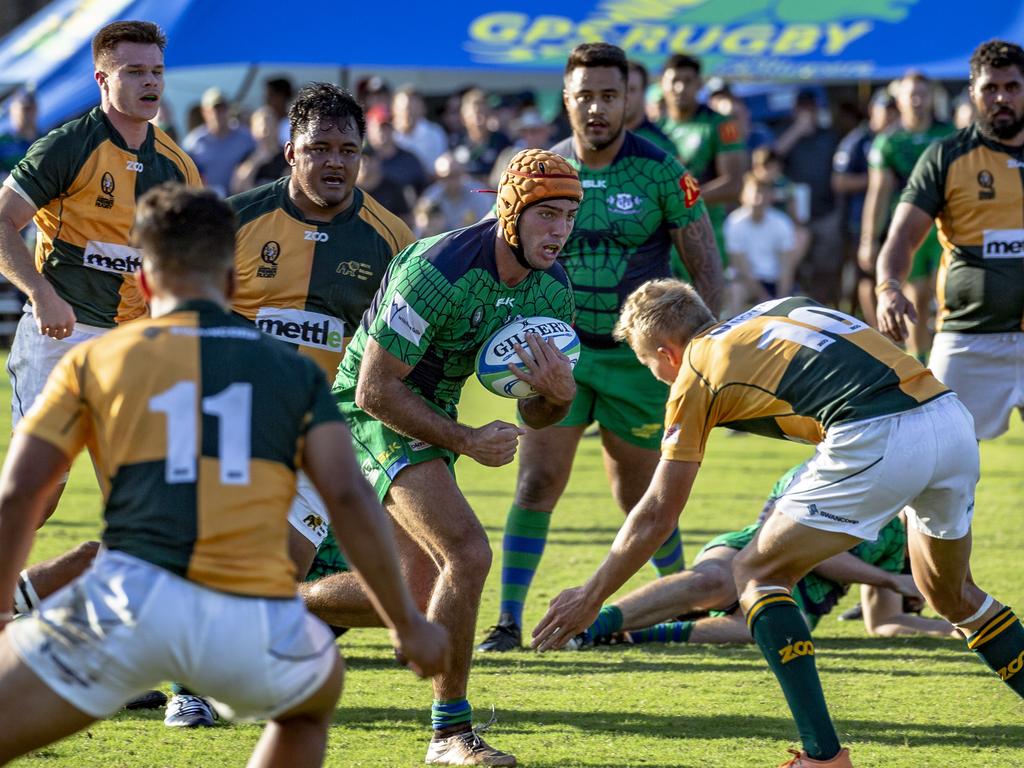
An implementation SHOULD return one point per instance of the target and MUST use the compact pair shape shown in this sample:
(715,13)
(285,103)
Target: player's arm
(846,568)
(726,186)
(31,472)
(877,199)
(54,316)
(647,526)
(550,374)
(908,230)
(381,392)
(695,243)
(884,616)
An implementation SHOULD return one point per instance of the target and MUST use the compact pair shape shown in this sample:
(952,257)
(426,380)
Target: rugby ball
(494,356)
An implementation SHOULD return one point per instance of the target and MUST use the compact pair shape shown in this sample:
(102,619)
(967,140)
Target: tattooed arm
(699,251)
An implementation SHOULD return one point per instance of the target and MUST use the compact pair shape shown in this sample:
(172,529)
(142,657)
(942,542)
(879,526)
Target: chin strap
(517,251)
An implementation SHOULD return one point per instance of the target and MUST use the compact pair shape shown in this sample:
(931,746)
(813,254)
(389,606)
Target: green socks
(1000,642)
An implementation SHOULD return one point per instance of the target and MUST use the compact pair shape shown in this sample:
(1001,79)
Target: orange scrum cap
(531,176)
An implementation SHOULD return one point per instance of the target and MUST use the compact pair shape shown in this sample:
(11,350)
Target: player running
(638,204)
(194,581)
(889,435)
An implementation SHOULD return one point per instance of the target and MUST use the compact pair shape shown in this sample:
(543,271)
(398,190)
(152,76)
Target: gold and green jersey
(974,188)
(440,301)
(307,283)
(195,421)
(622,235)
(788,368)
(83,181)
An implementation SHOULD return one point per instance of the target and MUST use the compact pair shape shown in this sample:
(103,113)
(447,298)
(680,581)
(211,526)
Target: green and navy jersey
(622,234)
(308,283)
(788,368)
(195,421)
(654,134)
(974,187)
(898,151)
(83,181)
(698,142)
(440,300)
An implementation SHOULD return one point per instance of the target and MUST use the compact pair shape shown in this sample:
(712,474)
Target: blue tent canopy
(802,40)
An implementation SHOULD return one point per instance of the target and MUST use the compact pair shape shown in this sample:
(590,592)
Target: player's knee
(473,562)
(539,487)
(715,581)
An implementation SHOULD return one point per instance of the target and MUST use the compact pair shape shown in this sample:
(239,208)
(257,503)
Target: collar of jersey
(118,140)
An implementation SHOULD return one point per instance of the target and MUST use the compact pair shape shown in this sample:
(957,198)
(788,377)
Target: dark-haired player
(638,205)
(889,436)
(194,581)
(399,386)
(79,183)
(971,184)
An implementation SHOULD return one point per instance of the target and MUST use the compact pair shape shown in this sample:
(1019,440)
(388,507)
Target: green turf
(897,703)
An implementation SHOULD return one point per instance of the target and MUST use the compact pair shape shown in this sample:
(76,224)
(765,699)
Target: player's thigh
(32,714)
(425,500)
(987,373)
(545,464)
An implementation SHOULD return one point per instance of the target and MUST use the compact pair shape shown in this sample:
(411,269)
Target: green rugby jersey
(195,421)
(974,187)
(440,300)
(622,234)
(699,141)
(898,151)
(83,181)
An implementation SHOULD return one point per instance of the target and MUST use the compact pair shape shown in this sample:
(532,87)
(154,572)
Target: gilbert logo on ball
(494,356)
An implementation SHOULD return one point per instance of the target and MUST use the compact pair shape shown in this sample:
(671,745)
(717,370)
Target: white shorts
(986,370)
(32,357)
(863,473)
(126,625)
(308,514)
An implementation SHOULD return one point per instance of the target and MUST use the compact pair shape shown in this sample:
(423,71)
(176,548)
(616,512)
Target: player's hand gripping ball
(494,356)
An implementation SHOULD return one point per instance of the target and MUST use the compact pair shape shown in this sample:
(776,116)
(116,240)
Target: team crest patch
(477,318)
(691,190)
(270,253)
(106,200)
(356,269)
(987,184)
(624,202)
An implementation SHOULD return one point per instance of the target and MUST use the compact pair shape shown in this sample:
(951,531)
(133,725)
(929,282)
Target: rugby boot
(147,700)
(188,711)
(506,635)
(466,748)
(801,760)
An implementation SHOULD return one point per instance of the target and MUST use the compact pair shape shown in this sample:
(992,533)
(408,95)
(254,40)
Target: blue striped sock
(444,713)
(669,557)
(526,532)
(608,621)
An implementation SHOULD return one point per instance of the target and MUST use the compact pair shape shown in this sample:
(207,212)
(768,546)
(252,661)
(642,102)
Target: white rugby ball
(495,355)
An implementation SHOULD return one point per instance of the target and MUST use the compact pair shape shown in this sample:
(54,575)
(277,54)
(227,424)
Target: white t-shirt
(762,242)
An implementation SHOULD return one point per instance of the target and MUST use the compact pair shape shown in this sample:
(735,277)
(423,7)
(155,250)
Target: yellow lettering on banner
(644,37)
(592,31)
(548,28)
(797,39)
(683,39)
(498,27)
(749,40)
(839,36)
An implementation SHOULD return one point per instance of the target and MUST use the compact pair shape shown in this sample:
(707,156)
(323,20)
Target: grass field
(897,703)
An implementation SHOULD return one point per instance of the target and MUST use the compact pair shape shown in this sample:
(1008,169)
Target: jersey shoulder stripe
(391,228)
(252,204)
(639,147)
(455,253)
(166,147)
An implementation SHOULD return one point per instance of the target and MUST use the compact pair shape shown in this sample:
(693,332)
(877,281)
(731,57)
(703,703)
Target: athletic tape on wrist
(985,605)
(25,596)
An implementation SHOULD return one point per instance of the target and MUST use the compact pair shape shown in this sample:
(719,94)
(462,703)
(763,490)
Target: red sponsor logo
(691,189)
(729,132)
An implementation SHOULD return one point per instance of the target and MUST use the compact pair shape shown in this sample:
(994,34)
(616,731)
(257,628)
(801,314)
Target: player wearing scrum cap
(399,387)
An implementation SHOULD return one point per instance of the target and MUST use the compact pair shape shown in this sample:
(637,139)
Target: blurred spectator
(277,97)
(23,112)
(165,121)
(266,163)
(722,99)
(413,131)
(850,182)
(397,198)
(372,92)
(760,241)
(453,194)
(636,113)
(531,132)
(399,165)
(708,144)
(219,144)
(451,119)
(481,145)
(963,110)
(807,147)
(783,196)
(429,218)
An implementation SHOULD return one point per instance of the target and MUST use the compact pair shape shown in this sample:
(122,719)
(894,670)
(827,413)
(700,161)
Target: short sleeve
(49,168)
(877,153)
(926,188)
(729,137)
(681,201)
(60,415)
(415,304)
(687,418)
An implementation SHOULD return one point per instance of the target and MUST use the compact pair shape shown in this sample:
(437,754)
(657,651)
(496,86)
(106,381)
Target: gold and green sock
(1000,643)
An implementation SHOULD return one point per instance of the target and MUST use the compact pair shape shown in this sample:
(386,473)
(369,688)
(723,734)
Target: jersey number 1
(233,409)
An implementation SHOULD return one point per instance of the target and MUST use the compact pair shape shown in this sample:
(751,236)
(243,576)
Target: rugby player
(971,185)
(79,183)
(709,145)
(890,162)
(706,594)
(638,204)
(194,581)
(399,386)
(890,435)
